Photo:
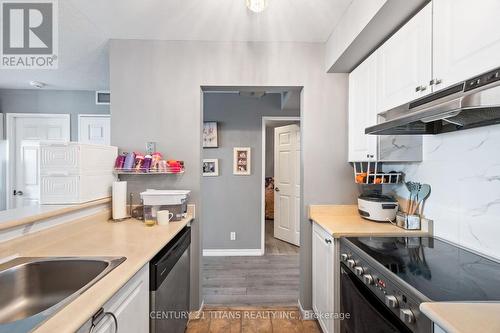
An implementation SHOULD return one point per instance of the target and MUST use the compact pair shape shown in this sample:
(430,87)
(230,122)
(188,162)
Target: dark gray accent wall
(72,102)
(233,202)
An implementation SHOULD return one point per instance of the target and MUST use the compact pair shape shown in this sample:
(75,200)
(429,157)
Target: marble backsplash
(463,169)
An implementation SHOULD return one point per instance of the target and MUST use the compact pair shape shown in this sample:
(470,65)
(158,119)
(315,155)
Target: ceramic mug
(164,216)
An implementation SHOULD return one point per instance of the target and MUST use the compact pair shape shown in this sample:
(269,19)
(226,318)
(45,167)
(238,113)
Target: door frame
(265,121)
(10,136)
(84,115)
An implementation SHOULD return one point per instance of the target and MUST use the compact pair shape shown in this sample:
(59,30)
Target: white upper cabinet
(405,63)
(363,110)
(466,39)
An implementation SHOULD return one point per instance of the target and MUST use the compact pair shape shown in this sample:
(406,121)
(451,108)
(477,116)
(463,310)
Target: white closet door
(94,129)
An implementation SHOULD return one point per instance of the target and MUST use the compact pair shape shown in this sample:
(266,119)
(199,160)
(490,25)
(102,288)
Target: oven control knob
(351,263)
(359,270)
(344,256)
(368,279)
(407,316)
(391,301)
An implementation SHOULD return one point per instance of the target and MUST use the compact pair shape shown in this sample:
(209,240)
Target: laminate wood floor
(251,320)
(276,246)
(268,280)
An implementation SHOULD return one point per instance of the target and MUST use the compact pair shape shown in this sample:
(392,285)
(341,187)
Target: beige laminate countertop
(11,218)
(94,236)
(464,317)
(344,221)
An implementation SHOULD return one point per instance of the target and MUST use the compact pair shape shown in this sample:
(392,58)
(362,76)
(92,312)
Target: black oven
(367,313)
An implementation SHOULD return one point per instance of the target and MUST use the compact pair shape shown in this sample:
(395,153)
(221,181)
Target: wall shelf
(369,173)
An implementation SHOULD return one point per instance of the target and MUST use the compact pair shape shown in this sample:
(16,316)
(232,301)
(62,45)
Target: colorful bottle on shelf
(128,164)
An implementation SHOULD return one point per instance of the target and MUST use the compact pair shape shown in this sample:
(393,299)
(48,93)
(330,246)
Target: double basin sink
(34,289)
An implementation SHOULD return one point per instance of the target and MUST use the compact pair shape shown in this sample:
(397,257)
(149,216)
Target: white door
(287,183)
(94,129)
(25,132)
(466,39)
(363,110)
(404,62)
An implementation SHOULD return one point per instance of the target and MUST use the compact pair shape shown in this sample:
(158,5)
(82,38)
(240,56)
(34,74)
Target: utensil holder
(408,221)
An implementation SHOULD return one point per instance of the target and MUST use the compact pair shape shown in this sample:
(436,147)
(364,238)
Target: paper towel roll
(119,197)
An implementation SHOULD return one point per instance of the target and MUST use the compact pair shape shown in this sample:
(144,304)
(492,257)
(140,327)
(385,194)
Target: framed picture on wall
(210,135)
(210,167)
(242,161)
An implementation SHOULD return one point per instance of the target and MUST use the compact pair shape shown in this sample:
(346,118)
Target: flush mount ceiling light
(257,6)
(37,84)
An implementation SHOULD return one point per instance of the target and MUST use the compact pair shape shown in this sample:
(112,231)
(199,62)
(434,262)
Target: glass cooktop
(439,270)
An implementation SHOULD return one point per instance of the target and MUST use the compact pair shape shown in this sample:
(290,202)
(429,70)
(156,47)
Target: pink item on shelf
(120,161)
(139,162)
(156,158)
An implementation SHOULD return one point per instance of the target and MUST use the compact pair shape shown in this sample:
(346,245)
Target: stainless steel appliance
(468,104)
(377,207)
(169,285)
(385,279)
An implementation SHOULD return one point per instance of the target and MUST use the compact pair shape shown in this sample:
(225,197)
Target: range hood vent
(472,103)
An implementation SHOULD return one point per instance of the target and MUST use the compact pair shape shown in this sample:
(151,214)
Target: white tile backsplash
(463,169)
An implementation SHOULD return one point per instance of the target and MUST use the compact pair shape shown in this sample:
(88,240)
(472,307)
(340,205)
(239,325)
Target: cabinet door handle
(328,241)
(99,316)
(277,189)
(420,88)
(435,81)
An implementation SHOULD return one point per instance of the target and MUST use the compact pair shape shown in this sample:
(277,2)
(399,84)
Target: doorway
(243,263)
(24,133)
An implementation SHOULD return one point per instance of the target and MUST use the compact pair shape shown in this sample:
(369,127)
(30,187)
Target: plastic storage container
(73,173)
(174,201)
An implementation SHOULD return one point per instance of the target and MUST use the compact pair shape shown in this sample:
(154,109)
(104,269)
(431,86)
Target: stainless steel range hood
(472,103)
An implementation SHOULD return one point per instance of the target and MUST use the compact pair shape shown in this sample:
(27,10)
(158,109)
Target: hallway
(270,280)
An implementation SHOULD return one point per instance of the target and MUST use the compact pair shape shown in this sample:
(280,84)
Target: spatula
(423,193)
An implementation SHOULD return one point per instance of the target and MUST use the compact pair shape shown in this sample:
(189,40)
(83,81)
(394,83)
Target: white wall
(463,169)
(354,20)
(156,96)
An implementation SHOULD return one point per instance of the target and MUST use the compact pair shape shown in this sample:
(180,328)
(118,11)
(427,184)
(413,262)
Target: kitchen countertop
(11,218)
(464,317)
(344,221)
(94,236)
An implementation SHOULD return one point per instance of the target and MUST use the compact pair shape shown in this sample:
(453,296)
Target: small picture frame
(210,167)
(210,134)
(242,161)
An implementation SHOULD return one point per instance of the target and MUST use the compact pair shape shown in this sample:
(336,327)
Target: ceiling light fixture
(37,84)
(257,6)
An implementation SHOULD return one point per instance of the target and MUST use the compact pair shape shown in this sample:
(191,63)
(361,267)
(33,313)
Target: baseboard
(305,314)
(232,252)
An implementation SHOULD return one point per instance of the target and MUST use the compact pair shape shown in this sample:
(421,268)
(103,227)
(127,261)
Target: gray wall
(157,97)
(72,102)
(230,202)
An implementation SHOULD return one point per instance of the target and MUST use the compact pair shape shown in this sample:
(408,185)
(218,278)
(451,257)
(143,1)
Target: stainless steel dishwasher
(169,285)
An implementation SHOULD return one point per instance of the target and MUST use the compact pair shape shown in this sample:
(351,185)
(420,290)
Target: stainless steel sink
(33,289)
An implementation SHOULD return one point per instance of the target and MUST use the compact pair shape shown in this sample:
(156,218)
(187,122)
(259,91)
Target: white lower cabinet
(324,261)
(438,329)
(130,305)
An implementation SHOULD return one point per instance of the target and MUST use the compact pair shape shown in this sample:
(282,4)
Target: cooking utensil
(423,193)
